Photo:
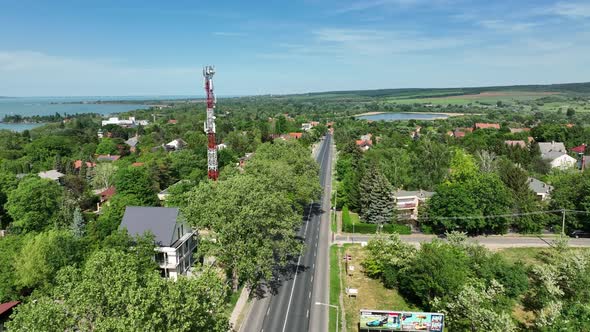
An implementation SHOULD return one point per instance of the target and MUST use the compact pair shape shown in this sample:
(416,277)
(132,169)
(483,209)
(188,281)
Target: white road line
(268,311)
(312,279)
(295,279)
(307,313)
(309,296)
(313,267)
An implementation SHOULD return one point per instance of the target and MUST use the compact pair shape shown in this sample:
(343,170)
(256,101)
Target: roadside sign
(383,320)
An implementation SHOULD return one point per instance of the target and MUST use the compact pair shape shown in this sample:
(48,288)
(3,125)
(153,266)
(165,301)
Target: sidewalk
(240,304)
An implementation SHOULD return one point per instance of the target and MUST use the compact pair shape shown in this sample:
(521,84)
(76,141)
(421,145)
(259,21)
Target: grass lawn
(371,293)
(334,286)
(528,256)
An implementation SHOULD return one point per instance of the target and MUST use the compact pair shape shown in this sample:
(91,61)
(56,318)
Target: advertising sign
(382,320)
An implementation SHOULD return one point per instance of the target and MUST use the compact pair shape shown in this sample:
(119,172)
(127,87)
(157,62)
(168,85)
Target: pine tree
(377,204)
(78,223)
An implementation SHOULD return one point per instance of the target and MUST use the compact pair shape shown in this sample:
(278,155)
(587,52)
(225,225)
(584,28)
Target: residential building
(175,241)
(581,149)
(486,126)
(221,146)
(137,164)
(540,188)
(408,202)
(131,122)
(519,143)
(244,159)
(306,126)
(5,312)
(556,154)
(172,121)
(132,143)
(78,164)
(51,175)
(105,194)
(519,130)
(367,137)
(175,145)
(364,145)
(107,157)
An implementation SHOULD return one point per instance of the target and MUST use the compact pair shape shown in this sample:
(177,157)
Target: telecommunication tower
(209,126)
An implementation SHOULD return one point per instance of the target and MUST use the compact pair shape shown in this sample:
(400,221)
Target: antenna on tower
(209,125)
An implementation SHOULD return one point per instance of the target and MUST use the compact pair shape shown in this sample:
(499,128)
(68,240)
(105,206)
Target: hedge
(365,228)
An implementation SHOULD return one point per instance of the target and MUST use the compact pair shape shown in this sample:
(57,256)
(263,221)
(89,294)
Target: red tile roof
(295,135)
(107,193)
(487,125)
(4,307)
(172,121)
(137,164)
(579,149)
(78,164)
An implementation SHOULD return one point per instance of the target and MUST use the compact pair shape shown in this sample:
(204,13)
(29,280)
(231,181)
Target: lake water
(403,116)
(29,106)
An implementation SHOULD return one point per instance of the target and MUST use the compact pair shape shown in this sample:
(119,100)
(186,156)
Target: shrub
(366,228)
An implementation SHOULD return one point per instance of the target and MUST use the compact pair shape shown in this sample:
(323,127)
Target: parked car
(579,234)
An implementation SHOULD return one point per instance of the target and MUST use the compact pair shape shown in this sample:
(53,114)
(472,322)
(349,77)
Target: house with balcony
(408,202)
(175,241)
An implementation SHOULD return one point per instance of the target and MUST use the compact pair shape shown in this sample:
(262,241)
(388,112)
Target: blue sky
(50,48)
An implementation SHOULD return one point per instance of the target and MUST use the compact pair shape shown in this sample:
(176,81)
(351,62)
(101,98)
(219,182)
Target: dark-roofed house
(132,143)
(175,240)
(540,188)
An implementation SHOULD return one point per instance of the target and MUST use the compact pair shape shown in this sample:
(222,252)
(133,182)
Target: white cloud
(571,9)
(371,4)
(229,34)
(504,26)
(36,73)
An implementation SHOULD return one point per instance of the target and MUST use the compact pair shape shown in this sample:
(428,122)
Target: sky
(122,48)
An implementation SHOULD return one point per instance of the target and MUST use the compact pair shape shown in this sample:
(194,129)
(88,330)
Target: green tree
(104,175)
(254,227)
(387,253)
(377,204)
(9,249)
(78,223)
(476,308)
(442,271)
(115,291)
(136,181)
(8,183)
(107,146)
(34,217)
(42,255)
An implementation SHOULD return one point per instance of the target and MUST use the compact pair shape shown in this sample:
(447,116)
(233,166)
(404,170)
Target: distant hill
(571,88)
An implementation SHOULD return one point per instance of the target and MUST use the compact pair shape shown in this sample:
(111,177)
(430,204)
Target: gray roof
(552,155)
(161,221)
(417,193)
(132,142)
(539,186)
(51,175)
(547,147)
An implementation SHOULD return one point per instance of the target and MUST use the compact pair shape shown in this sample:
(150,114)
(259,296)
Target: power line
(510,215)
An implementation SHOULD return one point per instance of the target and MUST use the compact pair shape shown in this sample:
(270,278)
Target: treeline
(57,117)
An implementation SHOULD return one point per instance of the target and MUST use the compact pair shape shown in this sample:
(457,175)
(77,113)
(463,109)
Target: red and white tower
(212,170)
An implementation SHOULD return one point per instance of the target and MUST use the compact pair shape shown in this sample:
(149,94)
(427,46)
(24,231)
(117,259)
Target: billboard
(383,320)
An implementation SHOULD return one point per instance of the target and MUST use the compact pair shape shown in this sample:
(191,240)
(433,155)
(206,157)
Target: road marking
(309,296)
(295,279)
(268,311)
(313,266)
(312,279)
(307,313)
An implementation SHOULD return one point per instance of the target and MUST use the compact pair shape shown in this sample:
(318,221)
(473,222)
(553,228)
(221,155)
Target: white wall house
(131,122)
(175,240)
(407,203)
(540,188)
(556,154)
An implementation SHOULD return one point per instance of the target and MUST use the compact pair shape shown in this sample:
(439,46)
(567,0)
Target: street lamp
(333,306)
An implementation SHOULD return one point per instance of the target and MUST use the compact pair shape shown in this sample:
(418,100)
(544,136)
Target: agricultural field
(489,97)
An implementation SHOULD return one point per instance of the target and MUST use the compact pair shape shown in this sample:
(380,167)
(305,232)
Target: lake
(29,106)
(404,116)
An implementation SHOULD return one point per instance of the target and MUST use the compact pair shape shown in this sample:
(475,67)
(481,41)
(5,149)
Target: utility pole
(563,222)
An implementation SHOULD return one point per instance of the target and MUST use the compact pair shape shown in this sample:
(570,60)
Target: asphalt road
(291,307)
(492,242)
